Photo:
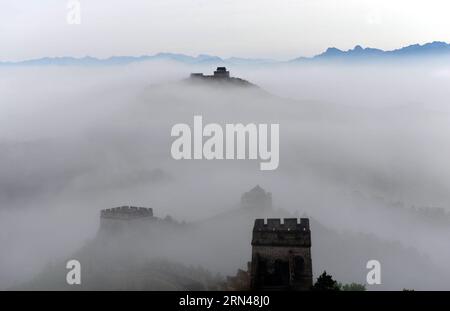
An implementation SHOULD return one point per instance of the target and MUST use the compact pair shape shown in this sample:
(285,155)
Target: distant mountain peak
(333,50)
(359,53)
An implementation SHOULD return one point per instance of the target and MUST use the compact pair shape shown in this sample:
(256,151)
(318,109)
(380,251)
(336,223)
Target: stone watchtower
(118,218)
(281,255)
(257,198)
(221,73)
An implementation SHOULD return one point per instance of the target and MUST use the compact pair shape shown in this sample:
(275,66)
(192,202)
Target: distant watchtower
(221,73)
(281,255)
(116,219)
(257,198)
(221,76)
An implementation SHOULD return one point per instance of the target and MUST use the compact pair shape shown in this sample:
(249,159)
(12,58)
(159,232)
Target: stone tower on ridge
(257,198)
(221,73)
(119,218)
(281,255)
(221,76)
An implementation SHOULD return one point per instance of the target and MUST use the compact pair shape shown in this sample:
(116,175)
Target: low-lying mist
(363,150)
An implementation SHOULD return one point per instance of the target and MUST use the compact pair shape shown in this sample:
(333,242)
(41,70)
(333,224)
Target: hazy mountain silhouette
(358,53)
(123,60)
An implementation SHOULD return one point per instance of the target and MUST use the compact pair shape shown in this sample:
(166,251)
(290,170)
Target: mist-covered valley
(363,153)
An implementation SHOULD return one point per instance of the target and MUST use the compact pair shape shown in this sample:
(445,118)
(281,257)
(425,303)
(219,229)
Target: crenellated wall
(126,212)
(275,233)
(114,220)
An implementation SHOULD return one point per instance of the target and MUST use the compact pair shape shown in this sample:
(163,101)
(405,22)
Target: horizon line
(87,56)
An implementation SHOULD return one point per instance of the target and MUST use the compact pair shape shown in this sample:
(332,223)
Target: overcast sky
(279,29)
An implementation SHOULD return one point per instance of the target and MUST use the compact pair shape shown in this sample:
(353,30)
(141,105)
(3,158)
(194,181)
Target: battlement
(197,75)
(289,224)
(126,212)
(289,233)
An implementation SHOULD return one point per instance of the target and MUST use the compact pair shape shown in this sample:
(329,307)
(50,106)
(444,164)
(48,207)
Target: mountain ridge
(358,53)
(431,49)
